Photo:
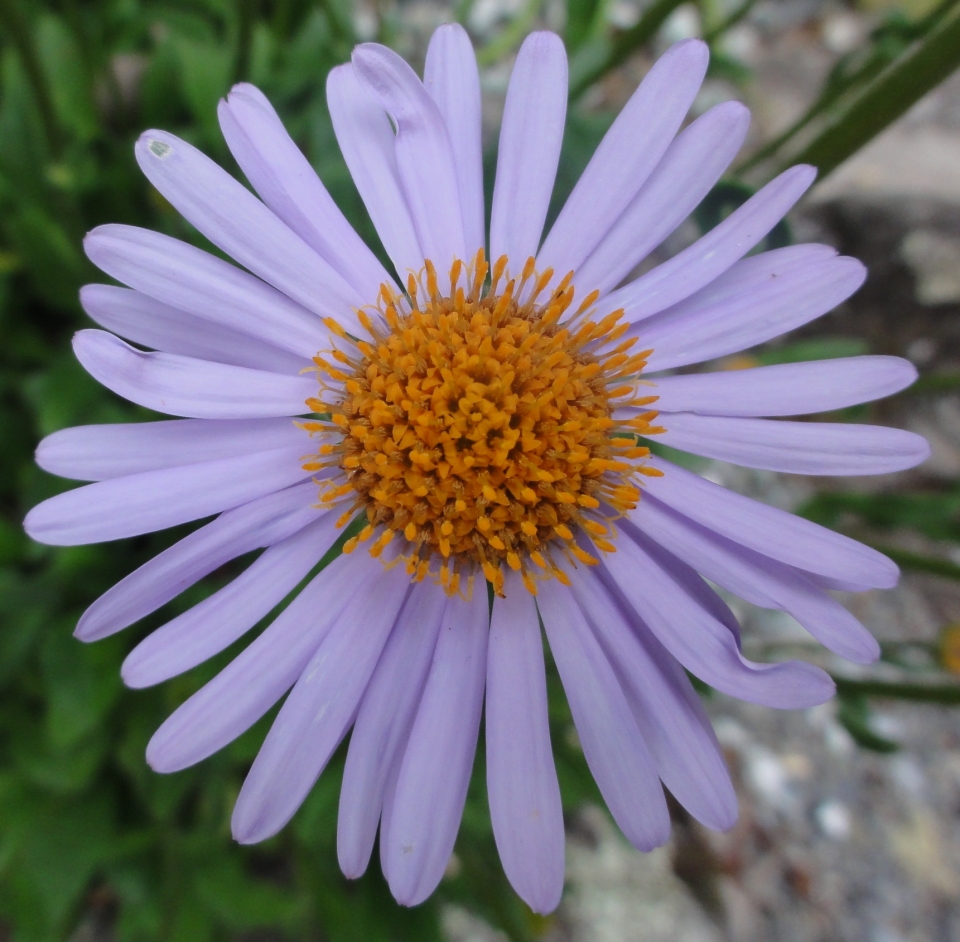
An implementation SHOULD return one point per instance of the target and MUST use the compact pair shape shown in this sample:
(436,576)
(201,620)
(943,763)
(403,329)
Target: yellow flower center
(480,429)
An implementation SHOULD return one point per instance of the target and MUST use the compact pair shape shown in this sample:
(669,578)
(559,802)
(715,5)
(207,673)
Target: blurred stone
(934,258)
(620,895)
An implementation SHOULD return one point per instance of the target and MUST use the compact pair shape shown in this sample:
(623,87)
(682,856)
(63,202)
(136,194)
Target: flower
(480,419)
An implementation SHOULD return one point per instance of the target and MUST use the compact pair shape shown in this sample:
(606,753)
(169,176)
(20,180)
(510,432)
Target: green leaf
(854,715)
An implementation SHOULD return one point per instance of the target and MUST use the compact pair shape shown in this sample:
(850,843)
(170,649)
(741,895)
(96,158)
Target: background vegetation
(88,834)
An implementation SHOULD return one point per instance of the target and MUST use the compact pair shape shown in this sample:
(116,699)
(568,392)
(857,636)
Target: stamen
(478,430)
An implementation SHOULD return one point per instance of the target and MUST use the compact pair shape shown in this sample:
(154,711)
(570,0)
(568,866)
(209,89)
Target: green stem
(246,16)
(948,694)
(888,96)
(712,35)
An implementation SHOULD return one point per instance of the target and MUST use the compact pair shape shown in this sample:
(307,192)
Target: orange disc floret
(477,427)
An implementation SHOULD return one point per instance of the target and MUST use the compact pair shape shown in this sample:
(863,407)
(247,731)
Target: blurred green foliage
(89,835)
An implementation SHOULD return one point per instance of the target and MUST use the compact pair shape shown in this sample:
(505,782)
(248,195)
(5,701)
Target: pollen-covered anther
(474,422)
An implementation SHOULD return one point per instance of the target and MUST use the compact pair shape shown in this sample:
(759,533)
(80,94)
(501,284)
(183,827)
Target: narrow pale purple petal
(289,186)
(834,448)
(786,389)
(757,579)
(626,157)
(384,722)
(152,323)
(421,819)
(665,705)
(530,137)
(177,385)
(670,598)
(687,172)
(259,523)
(322,705)
(273,662)
(522,785)
(98,452)
(217,621)
(201,284)
(155,500)
(452,80)
(424,154)
(234,220)
(367,140)
(768,530)
(613,745)
(759,298)
(711,255)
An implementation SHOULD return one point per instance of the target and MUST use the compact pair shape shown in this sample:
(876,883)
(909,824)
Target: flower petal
(671,599)
(665,705)
(207,287)
(530,137)
(98,452)
(613,745)
(787,388)
(425,161)
(290,187)
(154,324)
(768,530)
(176,385)
(155,500)
(522,782)
(367,140)
(759,298)
(757,579)
(421,818)
(256,678)
(452,80)
(384,722)
(259,523)
(217,621)
(835,448)
(317,714)
(626,157)
(234,220)
(712,254)
(688,170)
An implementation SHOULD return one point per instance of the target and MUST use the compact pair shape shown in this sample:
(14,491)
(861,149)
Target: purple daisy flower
(481,420)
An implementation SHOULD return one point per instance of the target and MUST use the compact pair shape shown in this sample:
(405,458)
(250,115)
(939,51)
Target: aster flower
(484,421)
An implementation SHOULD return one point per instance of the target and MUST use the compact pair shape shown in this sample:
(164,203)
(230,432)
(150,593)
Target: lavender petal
(626,157)
(424,154)
(257,524)
(320,709)
(151,323)
(421,817)
(688,170)
(205,286)
(452,80)
(234,220)
(768,530)
(786,389)
(155,500)
(834,448)
(712,254)
(177,385)
(522,782)
(384,722)
(530,136)
(613,745)
(217,621)
(290,187)
(366,140)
